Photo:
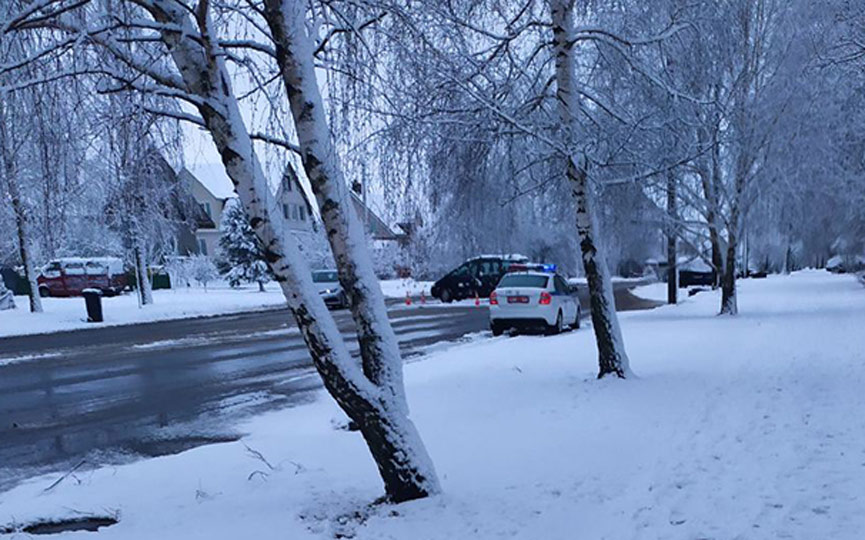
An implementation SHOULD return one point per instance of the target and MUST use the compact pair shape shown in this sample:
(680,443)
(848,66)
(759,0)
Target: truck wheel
(446,296)
(44,292)
(497,329)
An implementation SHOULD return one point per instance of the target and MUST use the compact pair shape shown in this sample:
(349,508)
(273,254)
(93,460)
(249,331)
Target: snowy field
(69,313)
(749,427)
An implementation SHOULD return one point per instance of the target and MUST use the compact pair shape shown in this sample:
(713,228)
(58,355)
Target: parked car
(475,276)
(534,299)
(327,282)
(70,276)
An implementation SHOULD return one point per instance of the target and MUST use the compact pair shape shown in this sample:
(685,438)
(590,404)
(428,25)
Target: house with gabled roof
(292,202)
(212,189)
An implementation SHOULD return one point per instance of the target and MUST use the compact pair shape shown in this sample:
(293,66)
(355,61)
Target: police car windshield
(524,280)
(324,277)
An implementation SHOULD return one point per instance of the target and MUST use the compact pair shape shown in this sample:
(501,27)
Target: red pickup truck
(70,276)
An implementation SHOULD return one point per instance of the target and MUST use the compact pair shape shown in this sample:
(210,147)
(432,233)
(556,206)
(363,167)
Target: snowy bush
(202,270)
(179,271)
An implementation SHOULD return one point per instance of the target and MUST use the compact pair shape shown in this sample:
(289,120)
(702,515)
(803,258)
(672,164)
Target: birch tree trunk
(672,217)
(145,290)
(379,349)
(391,436)
(25,242)
(612,359)
(729,306)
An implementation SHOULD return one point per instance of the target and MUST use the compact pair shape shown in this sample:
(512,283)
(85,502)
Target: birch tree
(382,362)
(612,358)
(195,71)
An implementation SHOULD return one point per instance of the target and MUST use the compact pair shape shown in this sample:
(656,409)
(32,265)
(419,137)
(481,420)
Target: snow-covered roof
(835,261)
(115,264)
(693,264)
(214,179)
(838,261)
(507,257)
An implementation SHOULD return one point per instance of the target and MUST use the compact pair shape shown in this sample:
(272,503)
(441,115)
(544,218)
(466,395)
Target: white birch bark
(145,289)
(25,243)
(382,362)
(612,358)
(392,438)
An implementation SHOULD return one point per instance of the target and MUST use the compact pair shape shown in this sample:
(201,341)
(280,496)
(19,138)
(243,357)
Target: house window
(286,181)
(285,211)
(294,215)
(206,207)
(302,212)
(202,246)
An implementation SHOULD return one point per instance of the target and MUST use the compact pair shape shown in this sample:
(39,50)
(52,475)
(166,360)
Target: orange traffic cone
(477,299)
(407,299)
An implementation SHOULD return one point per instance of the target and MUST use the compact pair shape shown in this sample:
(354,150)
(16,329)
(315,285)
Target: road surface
(120,393)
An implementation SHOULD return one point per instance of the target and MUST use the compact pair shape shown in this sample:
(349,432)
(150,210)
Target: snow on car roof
(114,264)
(506,256)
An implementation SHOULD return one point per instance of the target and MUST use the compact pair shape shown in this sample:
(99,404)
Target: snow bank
(737,427)
(69,313)
(657,292)
(397,288)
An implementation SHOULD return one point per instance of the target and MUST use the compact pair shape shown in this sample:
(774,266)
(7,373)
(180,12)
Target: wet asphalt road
(119,393)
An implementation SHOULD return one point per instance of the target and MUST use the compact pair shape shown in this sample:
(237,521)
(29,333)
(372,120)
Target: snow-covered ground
(656,291)
(69,313)
(397,288)
(747,427)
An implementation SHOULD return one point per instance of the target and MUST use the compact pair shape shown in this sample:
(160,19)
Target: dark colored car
(479,275)
(690,278)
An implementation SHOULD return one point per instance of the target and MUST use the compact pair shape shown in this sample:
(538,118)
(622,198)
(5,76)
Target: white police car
(536,297)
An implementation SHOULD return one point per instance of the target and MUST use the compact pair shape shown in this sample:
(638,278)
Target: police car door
(566,301)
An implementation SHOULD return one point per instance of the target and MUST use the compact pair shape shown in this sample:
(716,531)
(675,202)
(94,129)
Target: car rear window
(524,280)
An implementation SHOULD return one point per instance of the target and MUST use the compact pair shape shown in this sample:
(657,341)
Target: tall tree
(612,358)
(242,254)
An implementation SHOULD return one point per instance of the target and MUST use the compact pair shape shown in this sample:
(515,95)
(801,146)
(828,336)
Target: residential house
(299,216)
(291,201)
(374,226)
(212,189)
